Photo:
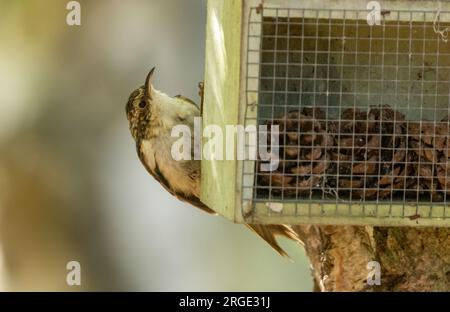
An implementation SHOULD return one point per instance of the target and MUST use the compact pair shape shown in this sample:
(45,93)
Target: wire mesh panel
(362,112)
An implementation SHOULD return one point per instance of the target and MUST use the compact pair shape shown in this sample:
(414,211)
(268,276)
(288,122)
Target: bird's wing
(157,174)
(195,201)
(268,232)
(179,96)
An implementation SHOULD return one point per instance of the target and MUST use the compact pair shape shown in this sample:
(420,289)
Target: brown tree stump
(411,259)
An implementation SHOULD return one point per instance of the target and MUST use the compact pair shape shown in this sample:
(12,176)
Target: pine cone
(369,153)
(304,161)
(430,142)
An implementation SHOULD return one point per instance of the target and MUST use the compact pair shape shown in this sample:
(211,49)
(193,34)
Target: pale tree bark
(411,259)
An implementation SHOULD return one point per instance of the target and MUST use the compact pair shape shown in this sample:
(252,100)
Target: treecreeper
(152,115)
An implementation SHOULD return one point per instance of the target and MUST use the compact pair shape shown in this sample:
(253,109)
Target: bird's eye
(142,104)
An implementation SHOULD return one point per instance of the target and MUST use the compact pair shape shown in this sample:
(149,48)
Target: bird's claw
(201,86)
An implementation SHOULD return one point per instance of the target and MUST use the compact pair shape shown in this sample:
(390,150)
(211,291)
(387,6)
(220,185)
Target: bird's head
(152,113)
(139,108)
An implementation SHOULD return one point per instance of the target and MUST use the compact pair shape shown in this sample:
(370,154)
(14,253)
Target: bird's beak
(148,83)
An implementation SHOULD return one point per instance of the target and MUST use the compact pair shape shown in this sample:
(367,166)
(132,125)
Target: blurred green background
(71,185)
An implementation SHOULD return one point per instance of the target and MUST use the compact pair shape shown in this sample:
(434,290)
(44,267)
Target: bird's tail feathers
(268,232)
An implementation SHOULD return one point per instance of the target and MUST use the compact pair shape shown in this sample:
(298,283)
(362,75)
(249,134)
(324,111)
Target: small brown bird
(152,115)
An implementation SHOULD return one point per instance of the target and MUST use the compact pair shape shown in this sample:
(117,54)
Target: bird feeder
(360,94)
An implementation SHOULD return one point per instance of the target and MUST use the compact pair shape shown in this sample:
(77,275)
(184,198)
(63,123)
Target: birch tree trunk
(411,259)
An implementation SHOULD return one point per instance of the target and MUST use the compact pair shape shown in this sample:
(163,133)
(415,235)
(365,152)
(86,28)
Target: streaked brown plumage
(152,115)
